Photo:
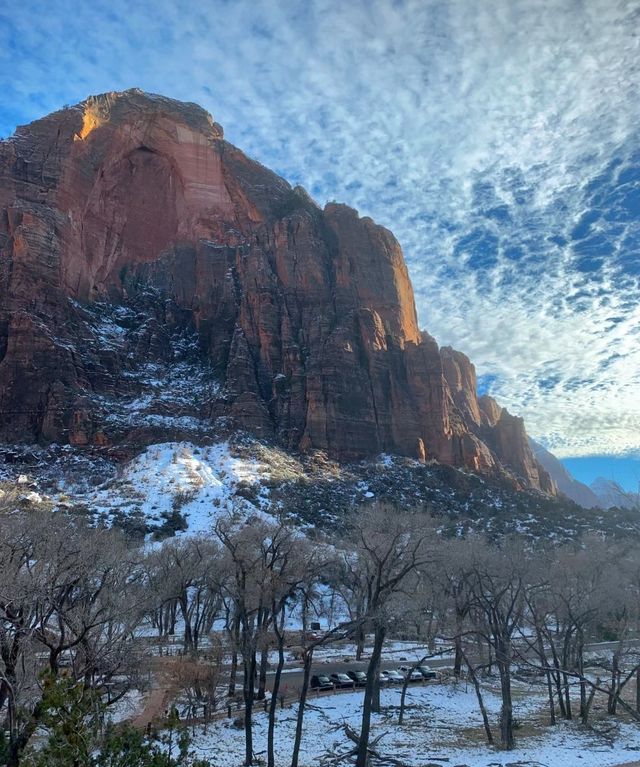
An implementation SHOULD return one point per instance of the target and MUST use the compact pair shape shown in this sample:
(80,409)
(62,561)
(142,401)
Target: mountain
(158,285)
(610,494)
(582,494)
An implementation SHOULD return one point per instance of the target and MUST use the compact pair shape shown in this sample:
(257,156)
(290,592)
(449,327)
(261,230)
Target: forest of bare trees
(85,613)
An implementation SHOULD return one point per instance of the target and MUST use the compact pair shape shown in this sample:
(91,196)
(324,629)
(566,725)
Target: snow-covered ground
(198,483)
(127,707)
(442,726)
(400,651)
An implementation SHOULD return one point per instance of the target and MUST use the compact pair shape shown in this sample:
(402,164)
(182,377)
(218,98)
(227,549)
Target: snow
(168,397)
(392,651)
(437,719)
(127,707)
(198,482)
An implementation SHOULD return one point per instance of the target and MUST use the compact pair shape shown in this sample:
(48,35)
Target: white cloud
(454,124)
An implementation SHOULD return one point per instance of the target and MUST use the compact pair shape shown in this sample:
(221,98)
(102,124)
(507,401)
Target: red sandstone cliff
(501,436)
(127,223)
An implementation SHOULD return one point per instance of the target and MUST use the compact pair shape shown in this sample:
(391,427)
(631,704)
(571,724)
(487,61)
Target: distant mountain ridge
(577,491)
(601,493)
(158,285)
(610,494)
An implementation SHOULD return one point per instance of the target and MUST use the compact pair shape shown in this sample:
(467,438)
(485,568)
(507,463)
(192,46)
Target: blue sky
(499,141)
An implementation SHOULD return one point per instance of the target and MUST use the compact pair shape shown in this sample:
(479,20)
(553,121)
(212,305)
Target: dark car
(341,680)
(321,682)
(427,673)
(359,677)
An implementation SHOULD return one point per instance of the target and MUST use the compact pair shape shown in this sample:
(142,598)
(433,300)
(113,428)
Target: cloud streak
(499,141)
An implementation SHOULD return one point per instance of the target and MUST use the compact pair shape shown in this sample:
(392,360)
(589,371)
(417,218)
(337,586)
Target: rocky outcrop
(502,438)
(128,225)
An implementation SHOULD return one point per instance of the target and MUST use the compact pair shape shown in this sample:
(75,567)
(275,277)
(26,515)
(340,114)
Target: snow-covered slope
(183,486)
(177,485)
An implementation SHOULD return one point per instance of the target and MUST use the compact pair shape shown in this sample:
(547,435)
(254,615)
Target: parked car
(427,673)
(393,677)
(341,680)
(321,682)
(359,677)
(413,673)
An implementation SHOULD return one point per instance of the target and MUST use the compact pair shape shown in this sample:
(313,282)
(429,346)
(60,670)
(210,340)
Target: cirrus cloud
(499,141)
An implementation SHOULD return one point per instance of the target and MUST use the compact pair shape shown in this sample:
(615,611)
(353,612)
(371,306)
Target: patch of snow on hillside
(198,483)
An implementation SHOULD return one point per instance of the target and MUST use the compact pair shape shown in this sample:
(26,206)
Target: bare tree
(69,597)
(498,581)
(266,565)
(182,574)
(382,549)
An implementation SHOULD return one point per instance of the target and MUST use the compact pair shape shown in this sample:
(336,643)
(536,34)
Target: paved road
(292,674)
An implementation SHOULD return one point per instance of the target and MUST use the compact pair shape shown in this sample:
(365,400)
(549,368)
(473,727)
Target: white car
(413,673)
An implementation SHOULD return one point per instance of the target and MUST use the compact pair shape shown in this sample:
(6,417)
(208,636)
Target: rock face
(136,242)
(496,435)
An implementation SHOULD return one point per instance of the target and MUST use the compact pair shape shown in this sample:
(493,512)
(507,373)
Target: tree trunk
(8,685)
(273,703)
(565,664)
(558,681)
(592,695)
(547,673)
(249,663)
(235,643)
(615,684)
(431,640)
(457,662)
(360,640)
(262,677)
(403,696)
(188,634)
(18,745)
(584,707)
(363,742)
(375,694)
(567,697)
(503,661)
(483,710)
(308,658)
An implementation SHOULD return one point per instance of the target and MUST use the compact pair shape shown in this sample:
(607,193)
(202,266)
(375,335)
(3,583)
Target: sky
(499,141)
